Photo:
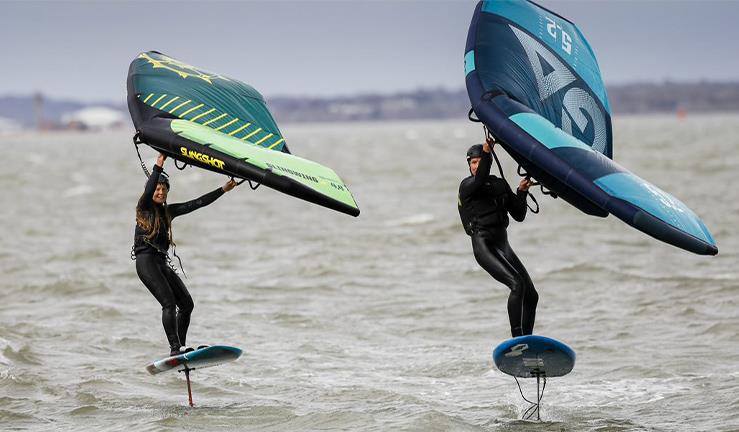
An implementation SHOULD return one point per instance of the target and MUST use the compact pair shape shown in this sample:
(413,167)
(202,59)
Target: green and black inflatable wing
(223,125)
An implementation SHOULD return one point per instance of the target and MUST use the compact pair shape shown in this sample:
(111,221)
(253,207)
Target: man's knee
(532,297)
(517,286)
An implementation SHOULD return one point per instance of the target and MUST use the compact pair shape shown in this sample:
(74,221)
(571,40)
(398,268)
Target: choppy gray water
(384,322)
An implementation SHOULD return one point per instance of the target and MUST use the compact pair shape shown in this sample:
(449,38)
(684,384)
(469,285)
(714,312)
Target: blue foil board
(529,356)
(206,357)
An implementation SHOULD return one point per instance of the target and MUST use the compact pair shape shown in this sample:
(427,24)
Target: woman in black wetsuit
(152,238)
(484,204)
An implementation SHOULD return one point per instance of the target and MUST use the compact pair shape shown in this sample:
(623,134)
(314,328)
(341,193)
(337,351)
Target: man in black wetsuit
(152,238)
(484,204)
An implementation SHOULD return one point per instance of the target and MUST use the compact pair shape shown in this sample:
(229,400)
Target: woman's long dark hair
(151,221)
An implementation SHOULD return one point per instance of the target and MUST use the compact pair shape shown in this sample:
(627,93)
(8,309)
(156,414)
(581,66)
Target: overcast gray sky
(81,50)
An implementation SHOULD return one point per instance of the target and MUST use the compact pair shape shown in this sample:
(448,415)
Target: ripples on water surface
(384,322)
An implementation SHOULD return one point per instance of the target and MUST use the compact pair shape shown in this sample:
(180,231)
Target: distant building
(9,126)
(94,118)
(38,111)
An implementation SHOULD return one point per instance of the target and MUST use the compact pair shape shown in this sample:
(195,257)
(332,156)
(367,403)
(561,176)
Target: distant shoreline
(22,112)
(128,128)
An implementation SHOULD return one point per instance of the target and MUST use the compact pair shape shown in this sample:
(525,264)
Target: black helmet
(164,178)
(474,152)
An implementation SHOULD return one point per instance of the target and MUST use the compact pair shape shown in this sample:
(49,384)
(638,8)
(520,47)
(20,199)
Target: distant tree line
(636,98)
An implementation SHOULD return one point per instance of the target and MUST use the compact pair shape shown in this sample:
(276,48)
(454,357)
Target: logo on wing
(576,101)
(204,158)
(184,70)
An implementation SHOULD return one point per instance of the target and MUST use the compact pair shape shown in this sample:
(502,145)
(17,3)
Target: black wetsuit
(152,263)
(484,204)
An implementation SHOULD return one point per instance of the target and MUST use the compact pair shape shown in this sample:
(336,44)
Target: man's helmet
(474,152)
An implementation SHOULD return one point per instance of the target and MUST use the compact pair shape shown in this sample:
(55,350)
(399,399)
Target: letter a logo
(551,74)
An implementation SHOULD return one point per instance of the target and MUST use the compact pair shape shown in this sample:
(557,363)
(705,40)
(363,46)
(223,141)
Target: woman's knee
(186,306)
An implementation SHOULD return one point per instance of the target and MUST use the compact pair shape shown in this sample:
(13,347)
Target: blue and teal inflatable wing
(533,80)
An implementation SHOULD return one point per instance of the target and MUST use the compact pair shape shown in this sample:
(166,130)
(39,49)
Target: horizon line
(666,81)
